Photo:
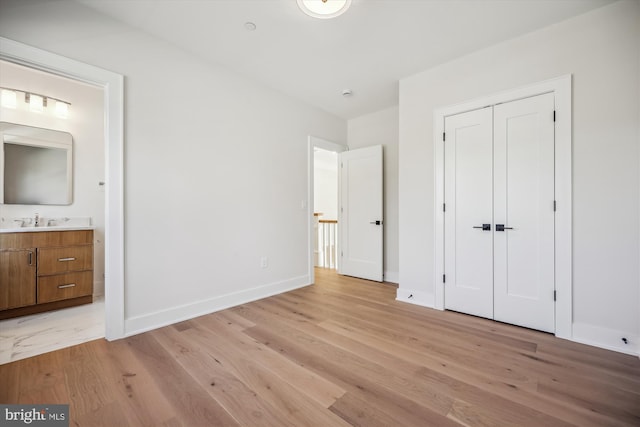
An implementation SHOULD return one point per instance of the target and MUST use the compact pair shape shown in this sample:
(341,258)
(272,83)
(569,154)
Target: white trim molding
(113,86)
(605,338)
(422,298)
(561,87)
(392,277)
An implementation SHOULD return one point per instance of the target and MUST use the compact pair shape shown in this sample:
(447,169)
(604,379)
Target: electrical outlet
(264,262)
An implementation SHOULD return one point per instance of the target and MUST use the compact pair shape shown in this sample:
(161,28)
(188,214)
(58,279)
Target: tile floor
(28,336)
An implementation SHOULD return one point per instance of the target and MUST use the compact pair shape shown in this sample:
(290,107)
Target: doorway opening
(112,85)
(325,208)
(29,334)
(323,236)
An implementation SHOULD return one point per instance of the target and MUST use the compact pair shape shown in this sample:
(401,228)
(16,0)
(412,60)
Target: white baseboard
(606,338)
(158,319)
(424,299)
(392,277)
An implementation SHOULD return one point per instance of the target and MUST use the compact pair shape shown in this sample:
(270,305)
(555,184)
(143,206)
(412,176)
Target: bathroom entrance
(83,122)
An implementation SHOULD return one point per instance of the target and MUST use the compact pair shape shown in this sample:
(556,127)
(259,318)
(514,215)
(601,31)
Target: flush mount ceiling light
(324,9)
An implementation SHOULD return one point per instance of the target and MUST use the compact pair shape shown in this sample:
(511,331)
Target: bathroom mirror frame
(30,136)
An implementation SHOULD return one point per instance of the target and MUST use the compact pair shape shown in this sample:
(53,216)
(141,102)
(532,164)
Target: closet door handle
(30,258)
(484,227)
(501,227)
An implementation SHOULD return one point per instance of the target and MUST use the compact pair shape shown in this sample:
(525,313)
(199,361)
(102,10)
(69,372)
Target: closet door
(523,204)
(468,253)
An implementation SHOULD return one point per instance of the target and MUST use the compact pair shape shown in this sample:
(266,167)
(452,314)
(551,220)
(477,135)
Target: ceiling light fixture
(324,9)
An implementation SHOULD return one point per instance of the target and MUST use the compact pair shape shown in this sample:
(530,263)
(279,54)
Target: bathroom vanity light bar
(37,102)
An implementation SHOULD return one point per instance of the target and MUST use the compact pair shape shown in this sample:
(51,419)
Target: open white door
(361,222)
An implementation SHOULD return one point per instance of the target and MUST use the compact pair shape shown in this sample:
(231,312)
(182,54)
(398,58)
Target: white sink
(13,225)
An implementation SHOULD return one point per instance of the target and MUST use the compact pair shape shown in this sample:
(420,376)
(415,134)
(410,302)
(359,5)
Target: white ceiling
(368,49)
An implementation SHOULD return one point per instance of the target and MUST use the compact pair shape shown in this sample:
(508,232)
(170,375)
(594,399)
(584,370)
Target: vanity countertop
(45,228)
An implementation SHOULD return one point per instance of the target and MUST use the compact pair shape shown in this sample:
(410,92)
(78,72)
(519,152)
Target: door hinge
(554,206)
(341,164)
(444,278)
(554,115)
(554,295)
(444,207)
(341,253)
(444,136)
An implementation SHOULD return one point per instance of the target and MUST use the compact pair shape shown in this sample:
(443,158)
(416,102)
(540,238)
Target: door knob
(501,227)
(485,227)
(378,222)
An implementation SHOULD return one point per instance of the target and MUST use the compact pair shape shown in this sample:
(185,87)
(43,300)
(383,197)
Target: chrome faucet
(37,221)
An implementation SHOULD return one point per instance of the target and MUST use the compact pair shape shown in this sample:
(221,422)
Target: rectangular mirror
(36,166)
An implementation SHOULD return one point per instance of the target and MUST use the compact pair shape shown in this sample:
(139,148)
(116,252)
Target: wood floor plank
(299,407)
(360,366)
(193,406)
(206,368)
(449,348)
(477,376)
(340,353)
(85,377)
(361,410)
(303,380)
(376,393)
(424,378)
(134,386)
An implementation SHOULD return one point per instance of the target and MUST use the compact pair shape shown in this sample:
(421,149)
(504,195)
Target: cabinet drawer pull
(70,285)
(66,259)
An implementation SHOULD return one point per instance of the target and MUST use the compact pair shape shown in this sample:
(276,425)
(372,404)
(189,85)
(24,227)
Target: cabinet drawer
(62,260)
(64,286)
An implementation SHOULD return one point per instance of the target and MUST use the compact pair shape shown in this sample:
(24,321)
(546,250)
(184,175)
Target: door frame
(315,142)
(113,87)
(561,87)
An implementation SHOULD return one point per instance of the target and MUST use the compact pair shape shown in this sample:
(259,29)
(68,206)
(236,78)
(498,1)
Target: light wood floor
(340,353)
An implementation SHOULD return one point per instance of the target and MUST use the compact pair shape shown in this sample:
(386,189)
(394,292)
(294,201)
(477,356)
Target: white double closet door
(499,212)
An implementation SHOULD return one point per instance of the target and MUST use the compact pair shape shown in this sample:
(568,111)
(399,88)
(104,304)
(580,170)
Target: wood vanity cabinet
(45,270)
(17,277)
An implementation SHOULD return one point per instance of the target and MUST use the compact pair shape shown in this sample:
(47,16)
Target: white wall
(86,125)
(381,128)
(600,49)
(215,167)
(325,183)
